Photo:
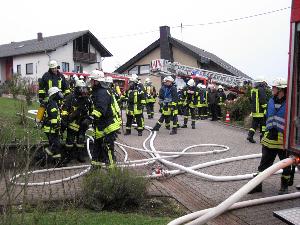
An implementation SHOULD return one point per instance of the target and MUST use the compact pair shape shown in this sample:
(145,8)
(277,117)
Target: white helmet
(147,80)
(134,78)
(81,77)
(75,77)
(279,83)
(52,64)
(220,87)
(109,79)
(191,83)
(168,78)
(200,85)
(53,91)
(97,75)
(80,83)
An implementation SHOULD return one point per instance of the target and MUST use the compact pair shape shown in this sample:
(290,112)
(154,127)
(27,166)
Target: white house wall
(40,64)
(40,61)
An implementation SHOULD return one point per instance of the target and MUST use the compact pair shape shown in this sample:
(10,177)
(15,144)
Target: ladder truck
(165,68)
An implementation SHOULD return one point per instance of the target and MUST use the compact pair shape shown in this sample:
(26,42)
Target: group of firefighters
(74,106)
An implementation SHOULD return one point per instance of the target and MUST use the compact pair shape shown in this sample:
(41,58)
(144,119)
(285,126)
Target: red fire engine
(292,132)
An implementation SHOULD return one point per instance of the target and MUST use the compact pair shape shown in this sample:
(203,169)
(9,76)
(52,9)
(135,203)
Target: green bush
(113,189)
(238,109)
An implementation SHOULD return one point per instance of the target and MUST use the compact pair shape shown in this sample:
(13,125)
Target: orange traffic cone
(227,118)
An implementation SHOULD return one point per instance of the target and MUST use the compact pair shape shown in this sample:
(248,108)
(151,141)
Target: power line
(237,19)
(200,24)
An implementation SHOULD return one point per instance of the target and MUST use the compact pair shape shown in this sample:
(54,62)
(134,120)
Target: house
(76,51)
(174,50)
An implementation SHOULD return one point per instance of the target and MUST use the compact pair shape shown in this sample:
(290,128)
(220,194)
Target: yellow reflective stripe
(96,113)
(74,126)
(143,101)
(49,84)
(275,144)
(54,110)
(67,91)
(64,113)
(111,161)
(96,163)
(53,120)
(42,91)
(48,151)
(56,156)
(98,133)
(59,84)
(135,102)
(251,129)
(79,145)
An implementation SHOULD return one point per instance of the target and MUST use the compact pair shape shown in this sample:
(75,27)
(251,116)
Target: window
(134,70)
(29,68)
(65,66)
(19,69)
(145,69)
(142,69)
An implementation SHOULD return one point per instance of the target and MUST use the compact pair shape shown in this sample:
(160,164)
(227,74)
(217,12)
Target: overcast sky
(257,46)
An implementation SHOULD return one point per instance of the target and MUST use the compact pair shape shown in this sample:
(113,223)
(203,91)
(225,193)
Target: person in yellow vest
(258,100)
(51,126)
(52,78)
(150,97)
(272,141)
(202,102)
(135,98)
(105,121)
(190,95)
(221,98)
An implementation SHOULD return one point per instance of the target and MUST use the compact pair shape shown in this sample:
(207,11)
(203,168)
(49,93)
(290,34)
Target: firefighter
(258,100)
(135,98)
(116,99)
(150,97)
(202,101)
(104,121)
(221,98)
(168,99)
(72,83)
(51,125)
(190,95)
(75,117)
(52,78)
(272,141)
(180,101)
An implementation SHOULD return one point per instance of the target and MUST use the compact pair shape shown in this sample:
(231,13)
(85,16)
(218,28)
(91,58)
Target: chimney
(165,47)
(39,36)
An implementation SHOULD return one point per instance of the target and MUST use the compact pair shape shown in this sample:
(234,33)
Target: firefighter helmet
(53,64)
(279,83)
(75,77)
(97,75)
(191,83)
(53,90)
(80,83)
(168,78)
(147,80)
(220,87)
(134,78)
(81,77)
(109,79)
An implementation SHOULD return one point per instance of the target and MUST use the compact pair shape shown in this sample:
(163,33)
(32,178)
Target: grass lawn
(86,217)
(10,121)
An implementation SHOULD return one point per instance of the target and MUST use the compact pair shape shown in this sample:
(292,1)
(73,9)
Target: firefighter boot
(173,131)
(193,125)
(156,127)
(140,133)
(127,132)
(184,123)
(284,186)
(298,187)
(80,155)
(250,137)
